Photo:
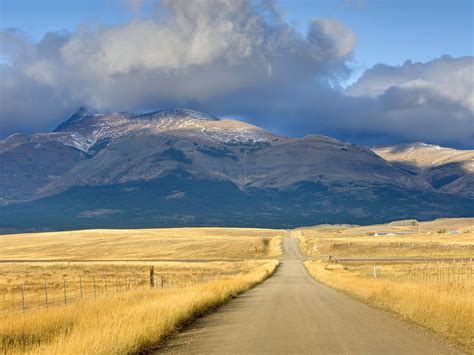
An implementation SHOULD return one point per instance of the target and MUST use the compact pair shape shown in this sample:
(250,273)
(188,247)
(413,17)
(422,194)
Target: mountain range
(445,169)
(179,167)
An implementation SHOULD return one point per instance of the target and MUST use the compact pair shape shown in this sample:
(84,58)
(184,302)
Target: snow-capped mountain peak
(136,161)
(86,128)
(177,114)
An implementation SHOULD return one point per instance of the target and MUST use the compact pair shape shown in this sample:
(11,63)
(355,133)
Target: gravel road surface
(291,313)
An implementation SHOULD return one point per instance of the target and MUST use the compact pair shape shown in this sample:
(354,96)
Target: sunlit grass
(444,238)
(166,243)
(127,323)
(447,308)
(33,285)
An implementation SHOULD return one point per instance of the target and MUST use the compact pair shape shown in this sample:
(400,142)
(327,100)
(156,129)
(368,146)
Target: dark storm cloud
(231,58)
(432,102)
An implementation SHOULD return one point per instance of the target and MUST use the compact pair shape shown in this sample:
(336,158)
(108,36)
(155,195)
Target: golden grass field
(435,239)
(203,267)
(438,296)
(166,243)
(199,268)
(415,292)
(41,285)
(103,326)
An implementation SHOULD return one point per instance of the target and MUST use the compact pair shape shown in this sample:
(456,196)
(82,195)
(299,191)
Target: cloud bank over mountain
(431,101)
(233,58)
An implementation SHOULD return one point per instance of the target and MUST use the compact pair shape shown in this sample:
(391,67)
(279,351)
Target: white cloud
(447,77)
(234,57)
(430,102)
(331,40)
(201,51)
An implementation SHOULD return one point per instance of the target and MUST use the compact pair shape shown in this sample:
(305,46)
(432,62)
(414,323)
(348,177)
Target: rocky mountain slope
(182,167)
(445,169)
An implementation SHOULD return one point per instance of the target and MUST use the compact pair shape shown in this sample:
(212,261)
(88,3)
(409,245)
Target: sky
(369,71)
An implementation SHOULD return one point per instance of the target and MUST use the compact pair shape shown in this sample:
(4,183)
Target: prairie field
(442,238)
(155,244)
(25,286)
(79,291)
(130,322)
(436,296)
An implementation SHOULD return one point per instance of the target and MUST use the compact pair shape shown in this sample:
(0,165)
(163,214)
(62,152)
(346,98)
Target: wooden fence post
(152,276)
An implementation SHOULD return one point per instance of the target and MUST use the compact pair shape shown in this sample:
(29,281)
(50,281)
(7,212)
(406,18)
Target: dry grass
(446,308)
(412,239)
(118,322)
(128,323)
(23,284)
(166,243)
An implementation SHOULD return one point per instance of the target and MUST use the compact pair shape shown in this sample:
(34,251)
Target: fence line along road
(459,274)
(27,261)
(468,259)
(51,292)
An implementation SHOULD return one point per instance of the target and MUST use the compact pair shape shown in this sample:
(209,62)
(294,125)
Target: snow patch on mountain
(74,140)
(237,136)
(86,129)
(177,114)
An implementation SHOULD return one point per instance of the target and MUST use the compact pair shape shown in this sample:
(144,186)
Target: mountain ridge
(93,152)
(446,169)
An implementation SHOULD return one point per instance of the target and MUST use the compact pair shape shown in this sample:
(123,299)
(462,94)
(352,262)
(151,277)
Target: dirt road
(291,313)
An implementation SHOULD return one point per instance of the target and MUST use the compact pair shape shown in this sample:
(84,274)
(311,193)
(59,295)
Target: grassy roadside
(445,308)
(129,323)
(442,238)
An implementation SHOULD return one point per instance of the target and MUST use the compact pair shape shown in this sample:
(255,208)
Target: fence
(32,294)
(435,273)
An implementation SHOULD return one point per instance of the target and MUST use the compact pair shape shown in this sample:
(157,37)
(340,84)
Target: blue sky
(392,31)
(388,31)
(315,70)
